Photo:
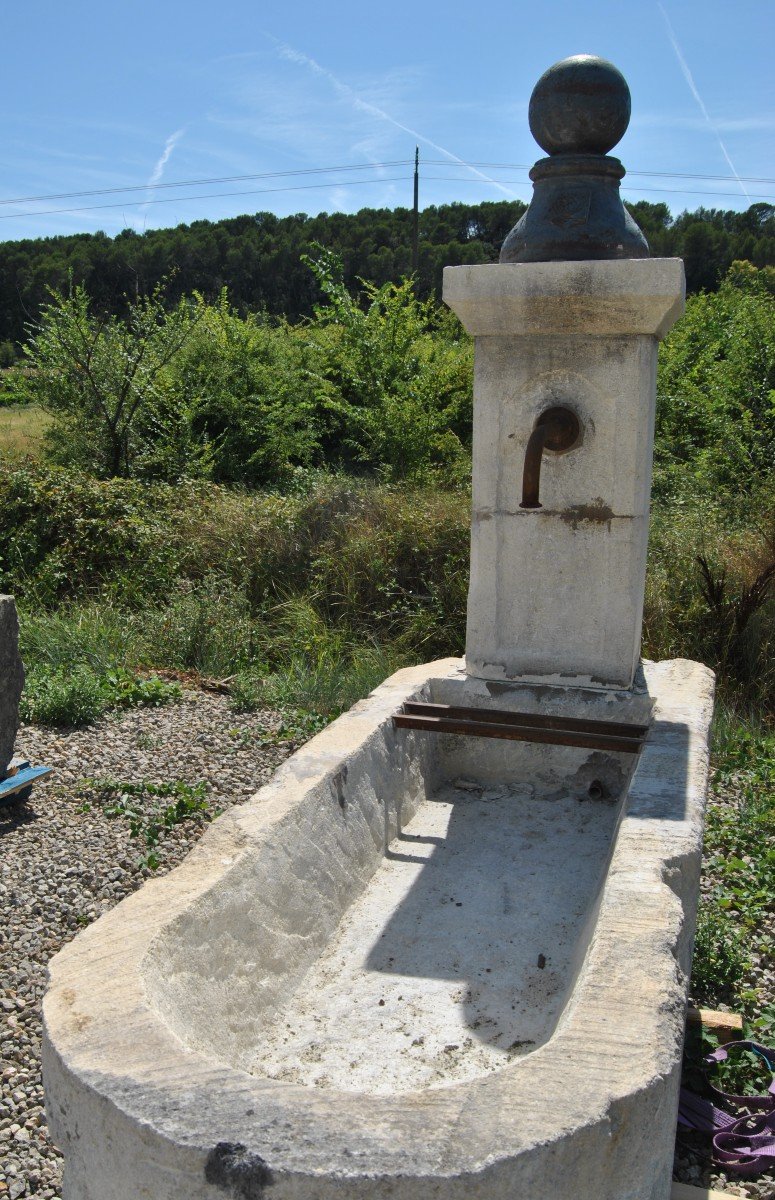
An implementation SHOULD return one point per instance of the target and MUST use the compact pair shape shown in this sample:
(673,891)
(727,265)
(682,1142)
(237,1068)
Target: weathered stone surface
(11,680)
(160,1016)
(596,299)
(556,593)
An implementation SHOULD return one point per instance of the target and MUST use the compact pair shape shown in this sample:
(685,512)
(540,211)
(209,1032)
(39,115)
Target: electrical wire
(84,208)
(299,187)
(521,183)
(147,187)
(324,171)
(441,162)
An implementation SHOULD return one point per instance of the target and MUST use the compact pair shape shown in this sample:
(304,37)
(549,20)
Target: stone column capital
(594,298)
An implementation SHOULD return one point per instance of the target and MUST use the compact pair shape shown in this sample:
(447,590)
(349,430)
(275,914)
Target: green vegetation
(22,430)
(259,256)
(138,803)
(197,392)
(740,867)
(78,695)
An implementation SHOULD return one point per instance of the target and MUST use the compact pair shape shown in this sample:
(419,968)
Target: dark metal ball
(581,105)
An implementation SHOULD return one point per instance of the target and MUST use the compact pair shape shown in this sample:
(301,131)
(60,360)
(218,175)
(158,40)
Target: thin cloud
(764,123)
(158,170)
(169,146)
(351,96)
(701,104)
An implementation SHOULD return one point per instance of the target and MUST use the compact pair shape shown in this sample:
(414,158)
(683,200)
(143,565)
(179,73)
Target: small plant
(720,960)
(79,695)
(139,804)
(62,697)
(739,865)
(742,1073)
(123,689)
(296,726)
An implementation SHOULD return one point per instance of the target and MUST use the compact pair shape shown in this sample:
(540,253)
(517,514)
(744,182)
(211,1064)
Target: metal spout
(556,429)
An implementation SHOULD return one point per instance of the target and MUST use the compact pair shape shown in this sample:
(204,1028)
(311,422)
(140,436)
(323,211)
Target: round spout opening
(563,429)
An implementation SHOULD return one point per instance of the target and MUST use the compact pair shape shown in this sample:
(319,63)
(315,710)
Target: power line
(147,187)
(522,184)
(299,187)
(332,170)
(84,208)
(441,162)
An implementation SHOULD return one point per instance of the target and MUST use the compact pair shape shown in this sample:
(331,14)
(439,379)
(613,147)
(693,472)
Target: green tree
(716,389)
(249,387)
(395,378)
(99,376)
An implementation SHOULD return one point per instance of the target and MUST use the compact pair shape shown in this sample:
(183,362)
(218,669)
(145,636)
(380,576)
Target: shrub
(66,535)
(74,697)
(103,379)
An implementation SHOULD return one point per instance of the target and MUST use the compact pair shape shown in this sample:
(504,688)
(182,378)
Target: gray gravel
(63,863)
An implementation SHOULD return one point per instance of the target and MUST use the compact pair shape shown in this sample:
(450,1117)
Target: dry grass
(22,427)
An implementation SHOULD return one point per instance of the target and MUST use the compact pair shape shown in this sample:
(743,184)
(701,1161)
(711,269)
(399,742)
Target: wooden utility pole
(416,214)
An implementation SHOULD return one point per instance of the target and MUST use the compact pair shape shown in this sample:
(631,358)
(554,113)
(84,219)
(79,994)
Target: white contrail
(169,146)
(693,88)
(347,93)
(158,170)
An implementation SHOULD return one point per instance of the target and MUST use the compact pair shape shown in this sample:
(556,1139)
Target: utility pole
(416,214)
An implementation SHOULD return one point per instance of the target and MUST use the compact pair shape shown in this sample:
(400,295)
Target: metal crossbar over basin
(618,736)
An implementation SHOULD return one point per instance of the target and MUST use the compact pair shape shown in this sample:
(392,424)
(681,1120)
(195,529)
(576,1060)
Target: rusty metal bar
(511,726)
(537,720)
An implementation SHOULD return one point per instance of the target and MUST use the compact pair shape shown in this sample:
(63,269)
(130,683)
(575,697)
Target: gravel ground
(63,862)
(61,867)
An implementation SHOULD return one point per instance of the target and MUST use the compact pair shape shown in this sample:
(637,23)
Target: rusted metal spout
(556,429)
(532,473)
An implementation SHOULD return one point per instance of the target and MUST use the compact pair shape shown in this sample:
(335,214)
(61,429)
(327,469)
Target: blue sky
(117,96)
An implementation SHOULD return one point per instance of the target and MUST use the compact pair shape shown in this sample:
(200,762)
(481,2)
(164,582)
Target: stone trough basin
(412,966)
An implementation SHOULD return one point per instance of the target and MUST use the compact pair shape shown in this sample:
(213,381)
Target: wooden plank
(728,1027)
(684,1191)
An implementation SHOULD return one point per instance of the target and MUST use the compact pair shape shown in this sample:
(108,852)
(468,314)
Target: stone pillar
(556,592)
(11,680)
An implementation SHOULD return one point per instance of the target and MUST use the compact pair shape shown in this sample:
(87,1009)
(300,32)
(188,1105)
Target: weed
(126,690)
(62,698)
(79,696)
(720,959)
(139,804)
(739,865)
(741,1073)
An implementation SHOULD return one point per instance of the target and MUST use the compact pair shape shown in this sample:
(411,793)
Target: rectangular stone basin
(414,965)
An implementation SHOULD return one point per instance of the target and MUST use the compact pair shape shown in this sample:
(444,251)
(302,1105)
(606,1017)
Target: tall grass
(271,587)
(22,430)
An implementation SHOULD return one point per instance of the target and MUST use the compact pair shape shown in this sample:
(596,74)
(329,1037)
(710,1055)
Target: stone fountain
(445,951)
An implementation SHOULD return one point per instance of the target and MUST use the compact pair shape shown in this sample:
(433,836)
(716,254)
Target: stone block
(556,592)
(11,680)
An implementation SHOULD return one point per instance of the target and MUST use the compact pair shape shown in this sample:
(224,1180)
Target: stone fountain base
(413,966)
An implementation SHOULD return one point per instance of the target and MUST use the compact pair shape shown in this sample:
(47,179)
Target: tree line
(259,257)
